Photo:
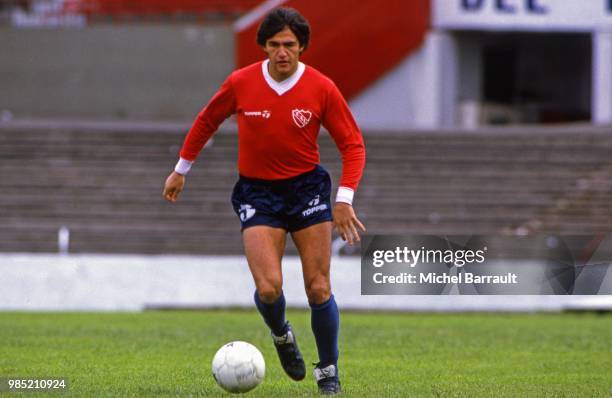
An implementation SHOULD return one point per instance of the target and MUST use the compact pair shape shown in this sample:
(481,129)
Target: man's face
(283,51)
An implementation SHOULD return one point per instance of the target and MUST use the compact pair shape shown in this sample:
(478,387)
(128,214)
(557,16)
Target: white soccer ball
(238,367)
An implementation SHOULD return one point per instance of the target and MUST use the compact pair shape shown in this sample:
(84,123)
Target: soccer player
(280,105)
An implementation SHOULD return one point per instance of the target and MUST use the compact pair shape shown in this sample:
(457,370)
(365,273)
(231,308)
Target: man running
(280,105)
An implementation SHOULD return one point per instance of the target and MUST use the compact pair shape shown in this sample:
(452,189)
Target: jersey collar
(287,84)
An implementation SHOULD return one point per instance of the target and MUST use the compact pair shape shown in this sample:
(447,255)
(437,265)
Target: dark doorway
(541,77)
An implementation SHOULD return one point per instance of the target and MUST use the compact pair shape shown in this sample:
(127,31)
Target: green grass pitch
(382,354)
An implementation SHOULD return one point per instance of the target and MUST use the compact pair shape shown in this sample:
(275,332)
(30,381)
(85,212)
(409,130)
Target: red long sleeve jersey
(278,124)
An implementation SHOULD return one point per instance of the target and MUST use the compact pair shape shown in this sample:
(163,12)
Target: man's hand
(174,186)
(346,222)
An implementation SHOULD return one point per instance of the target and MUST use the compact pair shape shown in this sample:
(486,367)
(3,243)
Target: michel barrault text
(459,258)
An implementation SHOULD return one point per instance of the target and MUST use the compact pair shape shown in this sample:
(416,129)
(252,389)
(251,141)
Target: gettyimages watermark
(486,265)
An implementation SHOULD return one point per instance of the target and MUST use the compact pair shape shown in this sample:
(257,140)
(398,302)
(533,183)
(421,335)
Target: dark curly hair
(277,19)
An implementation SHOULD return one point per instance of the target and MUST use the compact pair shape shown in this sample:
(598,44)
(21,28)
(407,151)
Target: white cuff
(182,166)
(345,195)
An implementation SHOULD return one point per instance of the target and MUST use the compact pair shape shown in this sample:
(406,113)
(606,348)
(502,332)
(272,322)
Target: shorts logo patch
(314,206)
(301,117)
(246,212)
(315,201)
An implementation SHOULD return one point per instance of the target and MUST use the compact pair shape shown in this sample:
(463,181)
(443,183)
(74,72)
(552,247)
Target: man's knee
(318,290)
(269,292)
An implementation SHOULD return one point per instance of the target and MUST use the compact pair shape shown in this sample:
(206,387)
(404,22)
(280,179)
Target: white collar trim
(287,84)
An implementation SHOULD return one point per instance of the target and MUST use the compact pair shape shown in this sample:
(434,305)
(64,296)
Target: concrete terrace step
(105,186)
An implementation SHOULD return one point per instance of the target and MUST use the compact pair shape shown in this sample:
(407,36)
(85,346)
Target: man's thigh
(314,246)
(264,247)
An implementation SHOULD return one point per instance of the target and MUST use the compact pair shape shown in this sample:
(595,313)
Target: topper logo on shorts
(246,212)
(301,117)
(315,207)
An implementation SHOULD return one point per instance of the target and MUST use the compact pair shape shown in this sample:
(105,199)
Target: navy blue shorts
(293,204)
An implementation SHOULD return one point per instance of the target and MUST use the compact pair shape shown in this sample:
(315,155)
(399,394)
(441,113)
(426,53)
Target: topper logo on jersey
(315,206)
(301,117)
(265,114)
(246,212)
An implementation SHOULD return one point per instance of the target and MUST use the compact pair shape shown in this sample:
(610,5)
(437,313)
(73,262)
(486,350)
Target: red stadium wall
(352,42)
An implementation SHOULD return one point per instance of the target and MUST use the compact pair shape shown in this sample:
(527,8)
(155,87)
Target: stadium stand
(122,11)
(129,10)
(105,187)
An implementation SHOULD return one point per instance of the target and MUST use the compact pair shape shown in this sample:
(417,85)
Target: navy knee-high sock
(325,322)
(273,314)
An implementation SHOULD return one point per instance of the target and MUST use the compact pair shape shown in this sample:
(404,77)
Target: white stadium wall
(602,77)
(418,93)
(523,15)
(82,282)
(438,86)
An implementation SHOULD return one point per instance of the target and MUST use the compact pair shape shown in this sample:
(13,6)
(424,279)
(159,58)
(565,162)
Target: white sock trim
(328,371)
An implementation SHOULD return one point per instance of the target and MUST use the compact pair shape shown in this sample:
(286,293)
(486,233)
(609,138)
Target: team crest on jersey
(301,117)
